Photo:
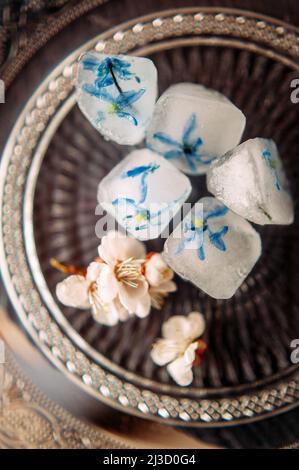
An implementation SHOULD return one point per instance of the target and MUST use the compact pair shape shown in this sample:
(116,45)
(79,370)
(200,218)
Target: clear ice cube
(250,180)
(214,248)
(192,125)
(117,94)
(143,193)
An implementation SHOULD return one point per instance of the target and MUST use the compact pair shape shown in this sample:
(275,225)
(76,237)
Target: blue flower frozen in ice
(272,164)
(120,105)
(143,171)
(193,232)
(187,149)
(109,70)
(135,212)
(137,215)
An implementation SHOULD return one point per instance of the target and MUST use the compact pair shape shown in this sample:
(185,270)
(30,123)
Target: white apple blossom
(156,270)
(122,276)
(121,282)
(180,348)
(159,276)
(81,291)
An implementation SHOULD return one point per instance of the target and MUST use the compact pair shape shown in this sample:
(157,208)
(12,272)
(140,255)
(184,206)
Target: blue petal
(124,74)
(121,68)
(216,240)
(165,139)
(196,144)
(191,163)
(171,154)
(125,200)
(90,63)
(266,154)
(218,212)
(189,233)
(141,227)
(138,170)
(144,171)
(190,236)
(103,69)
(189,226)
(204,158)
(103,82)
(128,116)
(143,188)
(129,97)
(201,253)
(277,183)
(120,63)
(189,128)
(97,93)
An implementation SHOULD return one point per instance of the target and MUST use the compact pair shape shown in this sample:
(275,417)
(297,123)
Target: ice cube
(117,94)
(144,192)
(192,125)
(214,248)
(250,180)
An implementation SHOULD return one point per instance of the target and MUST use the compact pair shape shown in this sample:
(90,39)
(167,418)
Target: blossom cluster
(122,281)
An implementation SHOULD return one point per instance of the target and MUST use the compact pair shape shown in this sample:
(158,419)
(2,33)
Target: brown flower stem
(265,212)
(67,269)
(202,346)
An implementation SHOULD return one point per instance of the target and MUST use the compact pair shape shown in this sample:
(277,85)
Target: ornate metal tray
(50,169)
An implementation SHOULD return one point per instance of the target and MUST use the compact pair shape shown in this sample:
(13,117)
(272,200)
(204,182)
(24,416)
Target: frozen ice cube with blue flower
(214,248)
(117,94)
(250,180)
(143,193)
(193,125)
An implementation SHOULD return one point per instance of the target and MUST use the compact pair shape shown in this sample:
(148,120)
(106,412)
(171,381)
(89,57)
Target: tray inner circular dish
(249,335)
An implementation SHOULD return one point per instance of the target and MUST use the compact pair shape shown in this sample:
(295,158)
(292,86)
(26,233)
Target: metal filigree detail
(29,420)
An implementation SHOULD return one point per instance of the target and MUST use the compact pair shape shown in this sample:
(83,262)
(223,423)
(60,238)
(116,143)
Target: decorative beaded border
(16,161)
(51,426)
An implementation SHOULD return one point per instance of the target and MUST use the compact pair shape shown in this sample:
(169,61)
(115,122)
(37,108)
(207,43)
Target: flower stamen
(129,271)
(158,298)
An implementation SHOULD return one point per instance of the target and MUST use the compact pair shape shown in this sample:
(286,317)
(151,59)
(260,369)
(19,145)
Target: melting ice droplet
(250,180)
(193,125)
(117,94)
(213,248)
(144,192)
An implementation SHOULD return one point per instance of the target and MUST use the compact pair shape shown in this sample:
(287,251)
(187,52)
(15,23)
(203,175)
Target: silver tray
(50,169)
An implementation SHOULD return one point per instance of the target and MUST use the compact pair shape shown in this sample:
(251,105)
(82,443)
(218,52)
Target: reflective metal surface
(243,379)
